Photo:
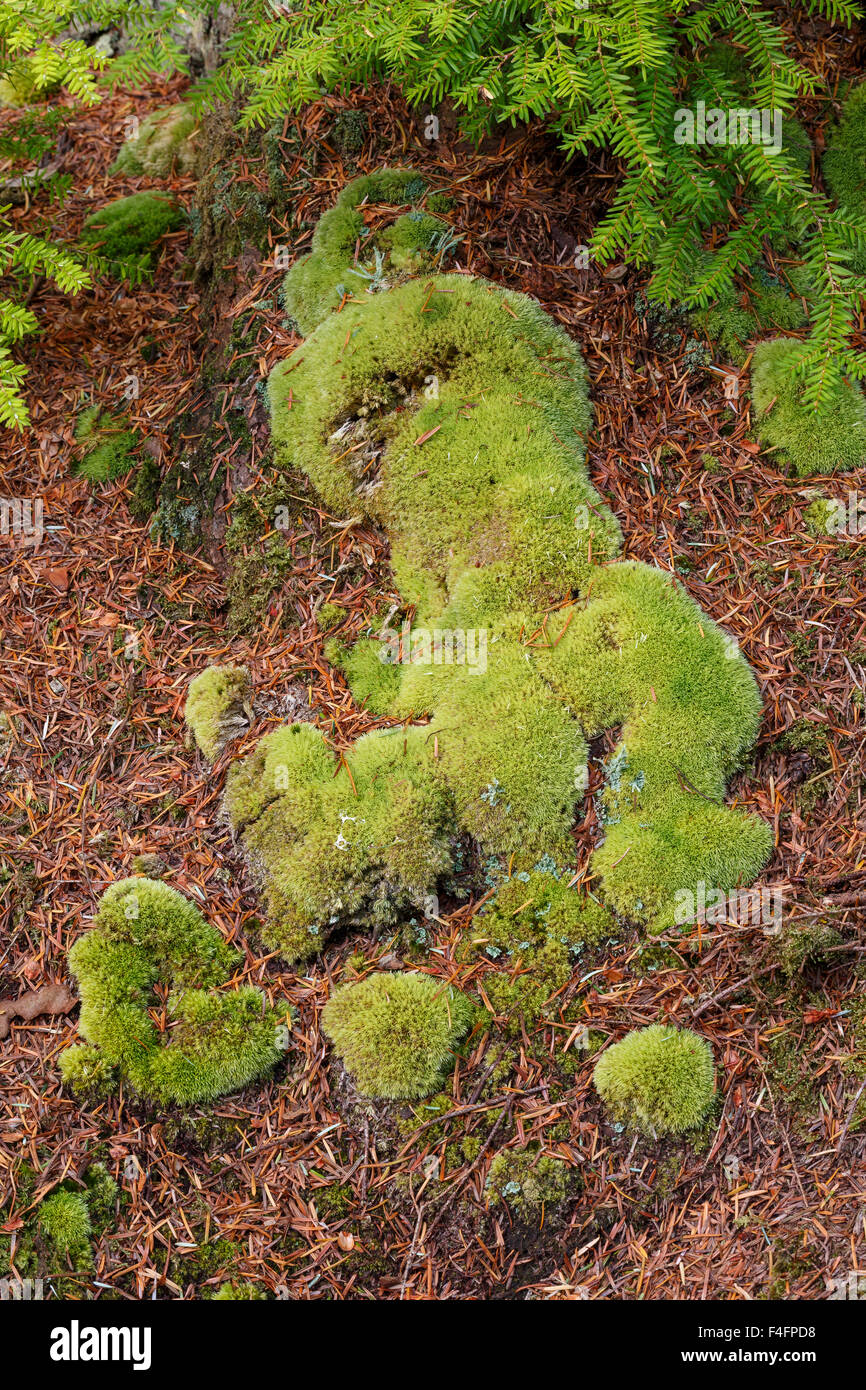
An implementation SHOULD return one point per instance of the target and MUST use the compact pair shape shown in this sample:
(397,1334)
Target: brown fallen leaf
(58,578)
(50,999)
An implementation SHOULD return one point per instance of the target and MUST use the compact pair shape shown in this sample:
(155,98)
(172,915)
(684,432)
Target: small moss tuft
(109,446)
(238,1290)
(808,443)
(217,707)
(527,1180)
(802,946)
(64,1222)
(199,1044)
(659,1079)
(125,232)
(162,145)
(397,1033)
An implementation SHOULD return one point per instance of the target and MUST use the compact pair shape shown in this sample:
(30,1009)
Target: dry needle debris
(512,1181)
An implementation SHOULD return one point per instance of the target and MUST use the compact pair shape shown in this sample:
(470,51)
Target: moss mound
(397,1033)
(657,1079)
(834,441)
(196,1044)
(217,707)
(162,145)
(64,1223)
(453,414)
(108,443)
(844,162)
(125,232)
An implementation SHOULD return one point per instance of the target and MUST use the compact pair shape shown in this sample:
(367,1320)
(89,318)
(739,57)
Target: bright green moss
(397,1033)
(330,616)
(534,929)
(162,145)
(657,1079)
(824,516)
(238,1290)
(125,232)
(217,707)
(453,415)
(844,162)
(203,1043)
(319,281)
(527,1180)
(109,444)
(834,441)
(64,1223)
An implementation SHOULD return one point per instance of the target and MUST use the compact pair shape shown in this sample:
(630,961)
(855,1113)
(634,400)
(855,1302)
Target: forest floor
(296,1183)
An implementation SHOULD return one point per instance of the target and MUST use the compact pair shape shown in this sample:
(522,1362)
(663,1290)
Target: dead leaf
(50,999)
(58,578)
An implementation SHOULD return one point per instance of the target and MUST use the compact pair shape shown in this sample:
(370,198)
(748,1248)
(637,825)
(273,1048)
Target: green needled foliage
(208,1042)
(453,414)
(109,446)
(64,1222)
(660,1080)
(125,232)
(217,707)
(807,443)
(397,1033)
(161,146)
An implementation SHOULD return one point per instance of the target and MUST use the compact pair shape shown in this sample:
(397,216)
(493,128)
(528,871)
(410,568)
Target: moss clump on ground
(808,443)
(162,145)
(217,707)
(124,233)
(109,446)
(772,303)
(825,516)
(237,1291)
(199,1044)
(397,1033)
(802,946)
(318,282)
(527,1180)
(534,928)
(659,1079)
(453,415)
(64,1224)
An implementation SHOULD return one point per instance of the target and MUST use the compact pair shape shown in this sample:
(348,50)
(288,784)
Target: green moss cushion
(126,231)
(194,1041)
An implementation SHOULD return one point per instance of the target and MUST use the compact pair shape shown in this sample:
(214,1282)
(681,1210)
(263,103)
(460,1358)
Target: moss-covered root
(124,233)
(199,1044)
(833,442)
(338,267)
(397,1033)
(162,146)
(217,707)
(660,1080)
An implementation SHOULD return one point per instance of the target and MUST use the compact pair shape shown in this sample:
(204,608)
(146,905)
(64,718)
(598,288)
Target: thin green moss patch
(163,145)
(218,707)
(64,1223)
(659,1079)
(808,443)
(238,1291)
(190,1042)
(397,1033)
(527,1180)
(109,446)
(126,232)
(844,162)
